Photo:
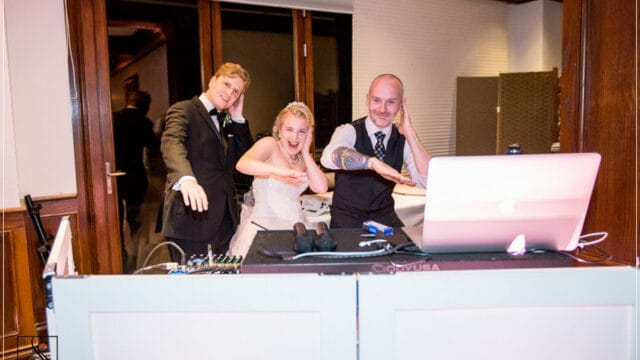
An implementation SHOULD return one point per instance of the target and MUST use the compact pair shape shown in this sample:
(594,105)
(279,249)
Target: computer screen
(496,202)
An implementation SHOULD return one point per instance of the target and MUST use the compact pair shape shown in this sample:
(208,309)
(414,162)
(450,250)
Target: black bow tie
(220,115)
(214,112)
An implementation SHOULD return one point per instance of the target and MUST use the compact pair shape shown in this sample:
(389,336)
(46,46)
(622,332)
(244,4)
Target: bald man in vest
(368,155)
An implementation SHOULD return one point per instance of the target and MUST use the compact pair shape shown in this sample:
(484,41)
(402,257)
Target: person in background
(283,168)
(201,142)
(132,133)
(368,155)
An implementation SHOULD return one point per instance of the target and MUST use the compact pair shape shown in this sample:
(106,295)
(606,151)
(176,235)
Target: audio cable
(387,249)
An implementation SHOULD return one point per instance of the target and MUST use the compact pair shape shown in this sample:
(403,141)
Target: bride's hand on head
(306,147)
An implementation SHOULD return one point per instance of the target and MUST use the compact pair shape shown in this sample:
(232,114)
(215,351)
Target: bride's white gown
(277,207)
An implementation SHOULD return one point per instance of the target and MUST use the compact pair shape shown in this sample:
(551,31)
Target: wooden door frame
(99,230)
(303,61)
(210,29)
(303,56)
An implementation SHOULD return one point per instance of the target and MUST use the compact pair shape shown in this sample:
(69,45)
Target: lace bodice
(277,207)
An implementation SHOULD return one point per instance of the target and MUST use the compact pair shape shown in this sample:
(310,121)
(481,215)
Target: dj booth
(398,306)
(351,241)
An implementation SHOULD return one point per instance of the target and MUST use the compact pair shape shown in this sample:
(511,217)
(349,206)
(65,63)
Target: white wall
(535,36)
(525,36)
(428,44)
(39,98)
(9,173)
(552,35)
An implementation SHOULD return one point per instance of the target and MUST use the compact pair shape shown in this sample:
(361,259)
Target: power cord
(581,243)
(183,258)
(603,258)
(602,255)
(171,266)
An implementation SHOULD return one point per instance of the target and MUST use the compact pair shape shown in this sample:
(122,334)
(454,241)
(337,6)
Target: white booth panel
(515,333)
(204,335)
(568,313)
(205,317)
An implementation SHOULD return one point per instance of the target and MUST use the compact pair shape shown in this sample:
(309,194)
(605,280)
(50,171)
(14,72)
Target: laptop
(509,203)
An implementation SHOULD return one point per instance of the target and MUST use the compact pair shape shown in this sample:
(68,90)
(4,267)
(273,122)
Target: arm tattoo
(349,159)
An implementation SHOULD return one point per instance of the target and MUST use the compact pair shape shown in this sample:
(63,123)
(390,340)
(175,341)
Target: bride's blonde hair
(297,109)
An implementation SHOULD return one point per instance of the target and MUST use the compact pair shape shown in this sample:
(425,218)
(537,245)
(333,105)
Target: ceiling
(130,39)
(137,27)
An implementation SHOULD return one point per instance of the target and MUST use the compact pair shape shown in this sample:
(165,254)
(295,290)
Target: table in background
(409,205)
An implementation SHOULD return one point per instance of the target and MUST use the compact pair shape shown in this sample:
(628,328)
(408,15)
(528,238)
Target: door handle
(107,167)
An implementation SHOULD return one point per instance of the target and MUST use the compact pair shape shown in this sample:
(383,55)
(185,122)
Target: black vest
(364,191)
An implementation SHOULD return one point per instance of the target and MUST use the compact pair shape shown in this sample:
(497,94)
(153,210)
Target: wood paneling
(598,112)
(23,289)
(17,315)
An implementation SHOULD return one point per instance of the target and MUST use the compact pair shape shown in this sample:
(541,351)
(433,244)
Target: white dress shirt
(209,106)
(345,136)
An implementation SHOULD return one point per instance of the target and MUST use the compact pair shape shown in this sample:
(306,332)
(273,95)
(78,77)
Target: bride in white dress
(283,168)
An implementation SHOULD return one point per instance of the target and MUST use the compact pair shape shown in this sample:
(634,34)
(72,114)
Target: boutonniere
(227,120)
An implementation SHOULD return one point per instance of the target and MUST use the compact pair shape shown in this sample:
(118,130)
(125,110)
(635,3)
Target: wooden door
(598,112)
(93,136)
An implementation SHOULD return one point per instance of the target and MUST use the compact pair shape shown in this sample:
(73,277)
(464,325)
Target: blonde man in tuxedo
(202,140)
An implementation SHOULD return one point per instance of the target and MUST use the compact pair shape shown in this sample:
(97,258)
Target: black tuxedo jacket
(191,145)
